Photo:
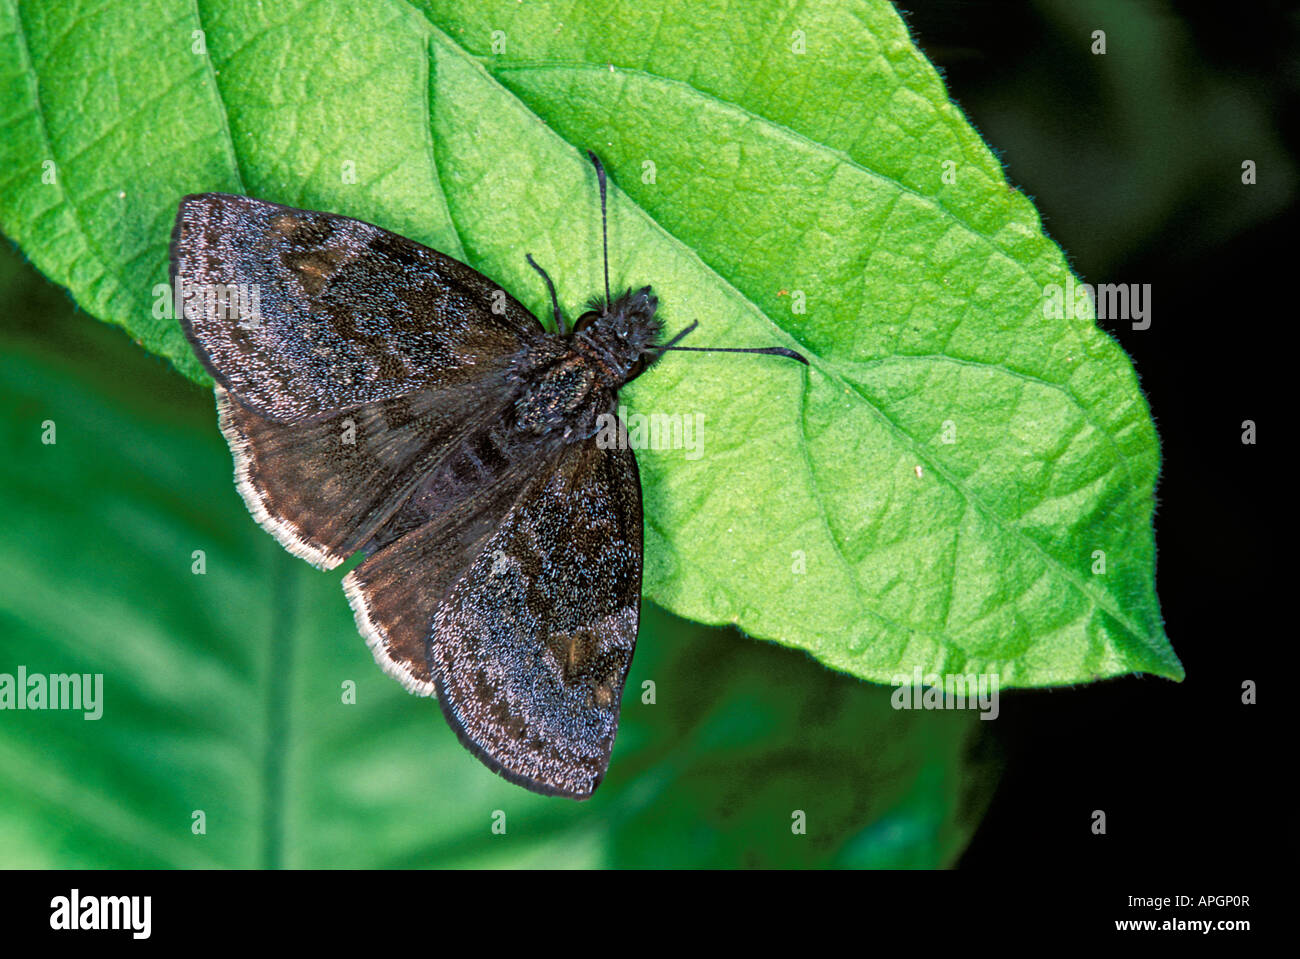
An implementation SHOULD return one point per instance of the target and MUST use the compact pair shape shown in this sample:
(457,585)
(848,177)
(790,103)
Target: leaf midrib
(221,100)
(73,210)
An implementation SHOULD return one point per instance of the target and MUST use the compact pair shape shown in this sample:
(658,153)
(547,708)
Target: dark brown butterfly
(382,397)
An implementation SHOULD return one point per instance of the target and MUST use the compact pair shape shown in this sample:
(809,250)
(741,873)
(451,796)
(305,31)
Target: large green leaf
(957,482)
(224,691)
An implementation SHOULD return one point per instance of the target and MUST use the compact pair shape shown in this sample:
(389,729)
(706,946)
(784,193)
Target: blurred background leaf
(224,691)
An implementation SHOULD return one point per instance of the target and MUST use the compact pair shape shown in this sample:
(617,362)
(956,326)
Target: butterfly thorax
(568,380)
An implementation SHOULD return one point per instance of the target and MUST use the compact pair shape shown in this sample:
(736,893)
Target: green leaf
(224,691)
(940,489)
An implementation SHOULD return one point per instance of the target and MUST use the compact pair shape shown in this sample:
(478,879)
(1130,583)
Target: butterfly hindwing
(298,314)
(323,487)
(422,550)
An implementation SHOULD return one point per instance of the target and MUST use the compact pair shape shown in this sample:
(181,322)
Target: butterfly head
(623,330)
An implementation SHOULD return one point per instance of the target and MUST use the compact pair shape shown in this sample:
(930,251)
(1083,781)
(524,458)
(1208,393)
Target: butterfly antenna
(768,350)
(555,304)
(604,220)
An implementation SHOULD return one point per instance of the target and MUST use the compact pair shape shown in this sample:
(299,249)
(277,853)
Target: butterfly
(382,398)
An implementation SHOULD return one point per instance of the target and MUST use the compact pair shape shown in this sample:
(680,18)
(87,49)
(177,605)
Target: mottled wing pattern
(297,314)
(532,647)
(528,611)
(352,361)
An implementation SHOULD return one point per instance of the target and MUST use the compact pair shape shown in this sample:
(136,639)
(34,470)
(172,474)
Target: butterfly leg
(555,304)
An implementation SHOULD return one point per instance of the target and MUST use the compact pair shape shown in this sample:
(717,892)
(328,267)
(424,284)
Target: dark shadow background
(1134,161)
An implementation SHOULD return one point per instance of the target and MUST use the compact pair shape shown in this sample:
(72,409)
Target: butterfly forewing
(531,647)
(298,313)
